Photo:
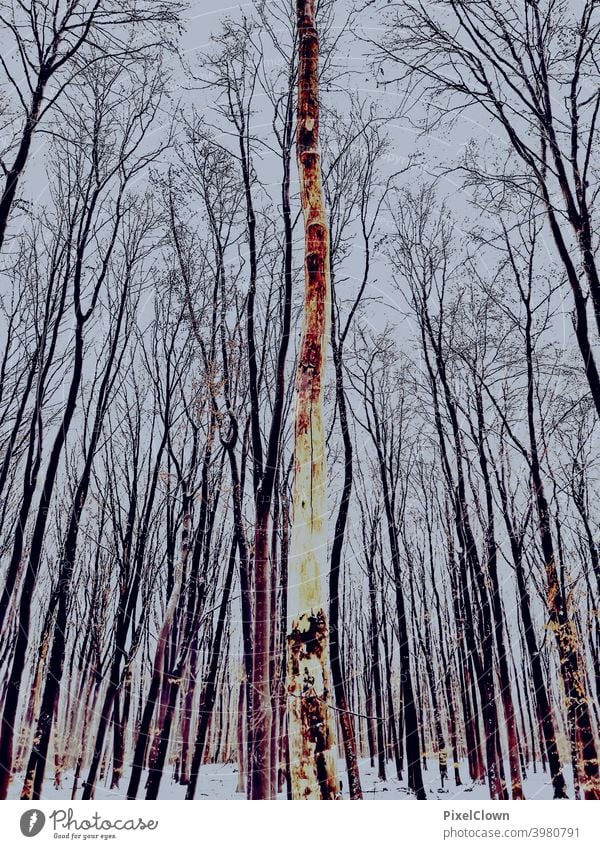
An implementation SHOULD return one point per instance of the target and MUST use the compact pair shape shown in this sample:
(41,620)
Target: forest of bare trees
(299,399)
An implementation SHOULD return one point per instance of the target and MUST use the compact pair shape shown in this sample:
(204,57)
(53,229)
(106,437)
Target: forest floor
(219,781)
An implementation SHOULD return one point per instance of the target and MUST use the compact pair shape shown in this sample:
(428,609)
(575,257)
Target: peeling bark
(310,721)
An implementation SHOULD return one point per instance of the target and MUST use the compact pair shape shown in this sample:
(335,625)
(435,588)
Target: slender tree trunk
(389,693)
(120,718)
(209,692)
(376,667)
(186,710)
(496,606)
(15,172)
(337,666)
(310,721)
(31,571)
(567,639)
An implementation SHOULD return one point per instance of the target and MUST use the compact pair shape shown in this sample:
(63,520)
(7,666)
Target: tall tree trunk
(496,606)
(548,741)
(13,175)
(209,692)
(337,668)
(389,694)
(409,713)
(376,666)
(561,623)
(310,721)
(186,713)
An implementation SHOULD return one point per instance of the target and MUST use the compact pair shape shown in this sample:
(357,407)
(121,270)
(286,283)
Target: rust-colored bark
(310,722)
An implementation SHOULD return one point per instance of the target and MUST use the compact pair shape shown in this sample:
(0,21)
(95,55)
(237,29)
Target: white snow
(219,781)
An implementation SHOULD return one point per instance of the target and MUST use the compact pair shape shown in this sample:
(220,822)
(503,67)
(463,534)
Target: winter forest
(299,399)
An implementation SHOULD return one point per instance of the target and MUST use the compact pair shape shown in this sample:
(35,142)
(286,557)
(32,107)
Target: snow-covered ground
(219,781)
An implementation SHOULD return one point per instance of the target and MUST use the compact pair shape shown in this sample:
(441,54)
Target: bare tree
(530,68)
(310,723)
